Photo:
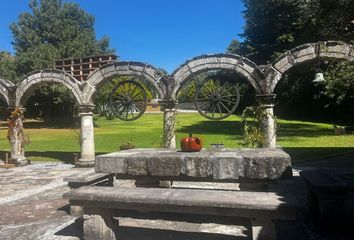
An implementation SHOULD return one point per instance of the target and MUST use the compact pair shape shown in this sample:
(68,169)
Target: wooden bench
(101,206)
(88,178)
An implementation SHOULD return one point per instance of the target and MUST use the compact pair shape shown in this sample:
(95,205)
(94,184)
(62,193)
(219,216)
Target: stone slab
(229,165)
(86,177)
(206,202)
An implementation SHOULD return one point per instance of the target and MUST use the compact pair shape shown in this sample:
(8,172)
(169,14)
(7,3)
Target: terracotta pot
(191,144)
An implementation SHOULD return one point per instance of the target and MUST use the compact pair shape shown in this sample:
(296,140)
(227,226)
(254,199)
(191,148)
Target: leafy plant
(109,114)
(157,143)
(252,127)
(339,130)
(76,133)
(103,109)
(127,144)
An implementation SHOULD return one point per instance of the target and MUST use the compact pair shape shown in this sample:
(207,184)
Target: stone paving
(32,207)
(30,200)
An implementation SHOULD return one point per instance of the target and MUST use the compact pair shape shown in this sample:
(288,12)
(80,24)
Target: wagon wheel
(128,100)
(216,100)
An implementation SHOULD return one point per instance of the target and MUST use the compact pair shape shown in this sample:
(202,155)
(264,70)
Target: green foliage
(76,135)
(339,130)
(7,66)
(269,28)
(252,137)
(54,30)
(158,143)
(52,102)
(187,92)
(252,127)
(339,84)
(127,144)
(275,26)
(246,90)
(102,97)
(104,110)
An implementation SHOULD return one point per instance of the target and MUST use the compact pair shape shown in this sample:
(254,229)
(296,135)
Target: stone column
(16,136)
(169,123)
(266,102)
(87,156)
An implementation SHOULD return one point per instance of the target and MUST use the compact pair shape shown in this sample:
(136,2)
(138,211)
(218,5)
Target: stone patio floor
(32,207)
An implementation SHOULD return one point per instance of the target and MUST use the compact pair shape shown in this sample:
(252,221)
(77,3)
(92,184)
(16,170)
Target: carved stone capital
(86,109)
(266,100)
(12,108)
(168,104)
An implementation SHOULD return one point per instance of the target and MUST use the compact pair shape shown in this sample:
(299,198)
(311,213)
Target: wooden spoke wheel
(216,100)
(128,100)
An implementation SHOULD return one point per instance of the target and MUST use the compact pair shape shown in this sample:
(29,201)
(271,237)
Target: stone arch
(147,72)
(34,79)
(304,53)
(6,91)
(233,62)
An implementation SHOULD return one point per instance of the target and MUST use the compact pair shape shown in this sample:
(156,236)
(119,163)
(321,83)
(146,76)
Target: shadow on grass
(50,156)
(336,155)
(213,127)
(303,130)
(55,125)
(236,127)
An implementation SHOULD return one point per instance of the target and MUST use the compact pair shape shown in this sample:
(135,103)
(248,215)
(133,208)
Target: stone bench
(331,197)
(101,205)
(88,178)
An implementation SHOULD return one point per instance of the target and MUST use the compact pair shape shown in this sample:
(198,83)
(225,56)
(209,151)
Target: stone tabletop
(230,165)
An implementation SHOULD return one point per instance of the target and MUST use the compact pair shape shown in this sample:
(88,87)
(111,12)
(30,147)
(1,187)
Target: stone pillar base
(85,163)
(76,211)
(21,162)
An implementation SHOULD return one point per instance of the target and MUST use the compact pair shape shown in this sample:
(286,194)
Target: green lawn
(303,140)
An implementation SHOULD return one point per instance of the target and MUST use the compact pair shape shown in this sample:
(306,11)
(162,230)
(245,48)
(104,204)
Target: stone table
(228,165)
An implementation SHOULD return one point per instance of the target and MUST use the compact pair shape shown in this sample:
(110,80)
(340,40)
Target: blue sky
(164,33)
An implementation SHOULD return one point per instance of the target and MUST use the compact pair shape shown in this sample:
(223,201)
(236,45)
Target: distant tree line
(275,26)
(52,30)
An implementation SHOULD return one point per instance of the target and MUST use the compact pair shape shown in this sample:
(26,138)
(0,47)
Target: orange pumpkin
(191,144)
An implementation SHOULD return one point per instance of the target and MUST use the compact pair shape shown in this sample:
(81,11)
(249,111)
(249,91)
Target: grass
(303,140)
